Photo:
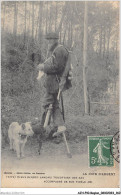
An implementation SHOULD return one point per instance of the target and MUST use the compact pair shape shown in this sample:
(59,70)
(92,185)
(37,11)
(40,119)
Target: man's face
(51,42)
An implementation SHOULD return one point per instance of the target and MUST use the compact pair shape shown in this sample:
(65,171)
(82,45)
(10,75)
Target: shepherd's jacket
(54,67)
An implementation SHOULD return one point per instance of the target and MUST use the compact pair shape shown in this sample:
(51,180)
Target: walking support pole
(64,136)
(48,116)
(67,147)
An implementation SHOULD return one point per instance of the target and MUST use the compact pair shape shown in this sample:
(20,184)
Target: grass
(27,106)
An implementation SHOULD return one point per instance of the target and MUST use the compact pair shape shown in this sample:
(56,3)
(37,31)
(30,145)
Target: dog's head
(27,129)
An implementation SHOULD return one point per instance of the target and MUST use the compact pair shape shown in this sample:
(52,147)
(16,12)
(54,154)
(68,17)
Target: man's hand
(40,67)
(70,76)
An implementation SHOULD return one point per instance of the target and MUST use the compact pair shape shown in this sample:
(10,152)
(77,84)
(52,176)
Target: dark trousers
(51,98)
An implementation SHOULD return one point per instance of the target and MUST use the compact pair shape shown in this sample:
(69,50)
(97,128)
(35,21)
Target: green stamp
(100,151)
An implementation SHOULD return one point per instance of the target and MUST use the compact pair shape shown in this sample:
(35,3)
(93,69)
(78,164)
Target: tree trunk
(104,42)
(33,19)
(3,40)
(40,19)
(69,35)
(86,96)
(3,26)
(116,49)
(100,47)
(62,18)
(47,18)
(64,36)
(25,23)
(71,31)
(29,18)
(108,43)
(60,32)
(15,19)
(56,15)
(50,18)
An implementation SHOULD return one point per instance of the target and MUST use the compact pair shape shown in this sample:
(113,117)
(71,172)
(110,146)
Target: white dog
(18,136)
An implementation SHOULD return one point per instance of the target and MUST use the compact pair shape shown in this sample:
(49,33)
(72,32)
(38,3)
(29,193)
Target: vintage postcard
(60,94)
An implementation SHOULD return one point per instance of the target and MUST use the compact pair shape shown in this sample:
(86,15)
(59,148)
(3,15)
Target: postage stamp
(99,151)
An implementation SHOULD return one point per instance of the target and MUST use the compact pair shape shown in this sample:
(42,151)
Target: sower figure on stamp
(53,68)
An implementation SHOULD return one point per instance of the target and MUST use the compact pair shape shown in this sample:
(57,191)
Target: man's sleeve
(57,63)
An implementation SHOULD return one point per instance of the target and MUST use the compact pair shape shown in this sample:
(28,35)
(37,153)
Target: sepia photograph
(60,94)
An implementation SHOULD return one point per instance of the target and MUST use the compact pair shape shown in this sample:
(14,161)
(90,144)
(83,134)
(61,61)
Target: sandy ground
(54,169)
